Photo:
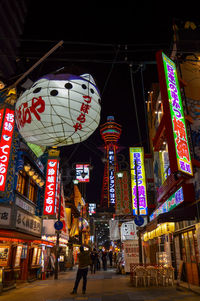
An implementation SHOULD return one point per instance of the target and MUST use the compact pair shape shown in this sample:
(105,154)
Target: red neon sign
(50,189)
(5,143)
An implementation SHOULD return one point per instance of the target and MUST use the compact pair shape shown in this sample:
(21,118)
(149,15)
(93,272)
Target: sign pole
(57,241)
(138,214)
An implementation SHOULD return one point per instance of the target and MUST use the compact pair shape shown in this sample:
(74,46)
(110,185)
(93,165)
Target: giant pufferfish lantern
(58,110)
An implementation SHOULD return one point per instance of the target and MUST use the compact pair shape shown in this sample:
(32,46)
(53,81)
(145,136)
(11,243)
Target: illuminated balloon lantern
(59,110)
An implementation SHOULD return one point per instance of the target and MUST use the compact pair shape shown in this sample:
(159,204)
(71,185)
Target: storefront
(178,247)
(157,245)
(187,251)
(20,257)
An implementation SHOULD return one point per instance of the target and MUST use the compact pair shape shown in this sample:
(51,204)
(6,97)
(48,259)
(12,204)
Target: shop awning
(15,235)
(180,214)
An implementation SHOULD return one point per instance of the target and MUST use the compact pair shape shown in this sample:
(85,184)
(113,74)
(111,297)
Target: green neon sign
(177,117)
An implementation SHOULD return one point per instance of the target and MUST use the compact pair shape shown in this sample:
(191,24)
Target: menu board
(18,256)
(34,256)
(131,253)
(4,255)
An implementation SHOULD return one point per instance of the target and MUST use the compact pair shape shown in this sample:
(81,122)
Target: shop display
(38,257)
(162,258)
(4,255)
(18,256)
(34,256)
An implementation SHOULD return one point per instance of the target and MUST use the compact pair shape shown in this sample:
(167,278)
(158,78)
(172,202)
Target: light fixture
(75,181)
(31,172)
(38,180)
(35,176)
(27,167)
(41,183)
(120,174)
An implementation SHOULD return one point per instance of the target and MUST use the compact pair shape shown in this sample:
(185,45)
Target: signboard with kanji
(50,188)
(7,122)
(137,158)
(176,131)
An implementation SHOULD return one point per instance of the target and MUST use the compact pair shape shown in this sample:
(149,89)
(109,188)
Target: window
(26,186)
(22,182)
(32,191)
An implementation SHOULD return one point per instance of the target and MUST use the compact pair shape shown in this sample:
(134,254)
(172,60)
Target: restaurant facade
(171,238)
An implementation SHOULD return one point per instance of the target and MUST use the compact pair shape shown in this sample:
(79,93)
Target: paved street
(103,286)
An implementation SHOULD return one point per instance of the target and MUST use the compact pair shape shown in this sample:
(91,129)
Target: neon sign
(5,143)
(137,154)
(174,200)
(177,117)
(51,187)
(83,172)
(111,176)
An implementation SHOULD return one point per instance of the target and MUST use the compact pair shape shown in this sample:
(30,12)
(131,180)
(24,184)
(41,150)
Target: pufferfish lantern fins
(88,77)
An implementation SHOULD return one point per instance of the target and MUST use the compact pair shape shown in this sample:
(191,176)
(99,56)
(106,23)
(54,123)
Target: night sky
(103,41)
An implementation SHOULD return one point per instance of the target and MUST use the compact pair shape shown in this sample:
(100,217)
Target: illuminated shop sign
(51,187)
(111,176)
(92,208)
(137,154)
(174,200)
(7,129)
(83,172)
(177,117)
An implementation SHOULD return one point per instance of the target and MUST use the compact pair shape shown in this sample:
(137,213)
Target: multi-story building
(171,236)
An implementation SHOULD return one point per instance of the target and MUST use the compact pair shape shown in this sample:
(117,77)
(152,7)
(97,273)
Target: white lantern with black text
(58,110)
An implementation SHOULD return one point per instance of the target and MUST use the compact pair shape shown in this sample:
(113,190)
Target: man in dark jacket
(83,262)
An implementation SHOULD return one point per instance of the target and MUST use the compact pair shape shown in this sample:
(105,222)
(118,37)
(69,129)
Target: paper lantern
(59,110)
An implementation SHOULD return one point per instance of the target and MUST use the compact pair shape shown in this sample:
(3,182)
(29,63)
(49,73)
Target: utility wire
(109,74)
(135,105)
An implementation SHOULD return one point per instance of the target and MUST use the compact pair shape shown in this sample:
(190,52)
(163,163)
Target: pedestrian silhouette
(83,263)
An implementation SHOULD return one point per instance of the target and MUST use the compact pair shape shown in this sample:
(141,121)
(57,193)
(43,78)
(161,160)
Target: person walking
(110,255)
(104,260)
(93,257)
(83,263)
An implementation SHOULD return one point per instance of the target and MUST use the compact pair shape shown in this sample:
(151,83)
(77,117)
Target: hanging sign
(7,124)
(59,109)
(137,154)
(179,151)
(50,189)
(83,173)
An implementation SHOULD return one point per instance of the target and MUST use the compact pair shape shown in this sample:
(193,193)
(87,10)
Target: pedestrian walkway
(102,286)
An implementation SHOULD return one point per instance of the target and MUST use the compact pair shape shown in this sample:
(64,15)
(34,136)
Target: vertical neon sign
(51,187)
(111,176)
(5,143)
(184,163)
(137,153)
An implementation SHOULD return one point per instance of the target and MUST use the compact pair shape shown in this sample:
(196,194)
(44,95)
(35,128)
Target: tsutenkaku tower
(110,133)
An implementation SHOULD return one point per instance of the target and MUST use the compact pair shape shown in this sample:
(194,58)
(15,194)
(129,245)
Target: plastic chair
(140,275)
(152,274)
(161,276)
(169,274)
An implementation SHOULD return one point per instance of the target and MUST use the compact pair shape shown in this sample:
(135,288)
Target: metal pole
(138,214)
(57,239)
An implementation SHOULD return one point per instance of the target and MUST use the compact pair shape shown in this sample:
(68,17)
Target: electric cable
(135,105)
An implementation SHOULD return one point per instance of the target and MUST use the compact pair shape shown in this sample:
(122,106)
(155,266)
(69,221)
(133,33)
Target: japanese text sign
(5,144)
(111,176)
(179,135)
(137,155)
(174,200)
(50,189)
(83,172)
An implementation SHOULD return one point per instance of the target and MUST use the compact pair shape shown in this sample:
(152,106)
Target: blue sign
(58,225)
(139,220)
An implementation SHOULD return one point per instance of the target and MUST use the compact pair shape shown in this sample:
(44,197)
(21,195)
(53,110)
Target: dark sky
(102,41)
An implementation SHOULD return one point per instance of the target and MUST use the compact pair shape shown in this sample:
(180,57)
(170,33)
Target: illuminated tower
(110,133)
